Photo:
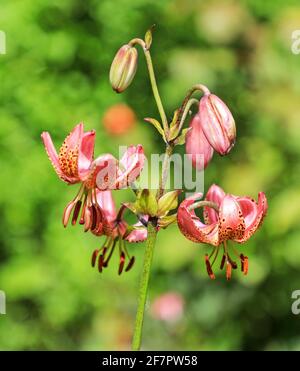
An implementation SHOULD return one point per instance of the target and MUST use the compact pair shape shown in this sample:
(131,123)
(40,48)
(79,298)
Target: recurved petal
(86,153)
(132,164)
(137,235)
(69,152)
(75,137)
(192,227)
(107,204)
(198,149)
(231,220)
(104,173)
(53,157)
(214,194)
(254,215)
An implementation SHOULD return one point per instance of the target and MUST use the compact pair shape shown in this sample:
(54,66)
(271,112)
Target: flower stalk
(144,283)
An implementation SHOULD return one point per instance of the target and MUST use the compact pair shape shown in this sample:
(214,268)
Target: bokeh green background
(54,75)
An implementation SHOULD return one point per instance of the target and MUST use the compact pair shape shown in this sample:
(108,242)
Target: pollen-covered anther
(209,268)
(122,262)
(228,270)
(76,212)
(94,257)
(101,263)
(130,264)
(244,264)
(223,261)
(67,212)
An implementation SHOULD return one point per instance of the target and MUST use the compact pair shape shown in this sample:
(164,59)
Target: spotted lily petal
(231,219)
(69,152)
(104,172)
(214,194)
(192,227)
(86,153)
(253,213)
(53,157)
(132,164)
(137,235)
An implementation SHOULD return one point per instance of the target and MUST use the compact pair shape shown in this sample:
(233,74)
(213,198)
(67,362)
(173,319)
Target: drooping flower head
(211,129)
(117,233)
(217,123)
(226,217)
(197,147)
(75,164)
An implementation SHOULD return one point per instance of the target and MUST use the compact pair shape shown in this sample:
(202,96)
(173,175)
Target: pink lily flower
(198,149)
(226,217)
(75,164)
(116,230)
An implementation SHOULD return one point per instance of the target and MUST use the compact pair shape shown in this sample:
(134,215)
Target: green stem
(165,170)
(198,87)
(156,93)
(137,335)
(185,112)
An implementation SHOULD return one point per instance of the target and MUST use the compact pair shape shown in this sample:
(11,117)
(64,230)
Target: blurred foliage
(54,75)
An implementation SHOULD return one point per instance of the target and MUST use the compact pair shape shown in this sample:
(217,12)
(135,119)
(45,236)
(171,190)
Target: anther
(208,268)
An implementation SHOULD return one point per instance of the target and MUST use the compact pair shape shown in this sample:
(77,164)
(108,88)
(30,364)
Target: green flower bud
(167,202)
(123,68)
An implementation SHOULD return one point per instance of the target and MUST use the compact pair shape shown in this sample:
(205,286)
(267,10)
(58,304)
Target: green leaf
(147,203)
(167,202)
(148,37)
(181,139)
(157,125)
(167,220)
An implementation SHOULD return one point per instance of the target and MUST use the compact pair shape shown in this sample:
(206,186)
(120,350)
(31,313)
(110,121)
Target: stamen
(87,219)
(244,264)
(105,263)
(122,262)
(76,212)
(100,263)
(223,261)
(82,217)
(67,213)
(130,264)
(217,254)
(232,263)
(228,270)
(93,217)
(94,257)
(208,268)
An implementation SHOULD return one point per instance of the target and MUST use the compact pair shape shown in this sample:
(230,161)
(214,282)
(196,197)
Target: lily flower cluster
(93,205)
(212,128)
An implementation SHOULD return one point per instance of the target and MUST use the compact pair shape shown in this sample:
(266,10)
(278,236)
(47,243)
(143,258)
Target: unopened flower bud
(123,68)
(198,149)
(167,202)
(217,123)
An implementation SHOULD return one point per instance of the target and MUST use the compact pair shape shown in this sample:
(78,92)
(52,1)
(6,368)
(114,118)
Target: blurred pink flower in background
(168,307)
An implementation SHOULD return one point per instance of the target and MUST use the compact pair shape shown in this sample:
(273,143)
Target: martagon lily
(117,233)
(75,164)
(226,217)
